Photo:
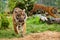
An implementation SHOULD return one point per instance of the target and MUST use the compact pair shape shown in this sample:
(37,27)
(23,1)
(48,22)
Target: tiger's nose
(21,20)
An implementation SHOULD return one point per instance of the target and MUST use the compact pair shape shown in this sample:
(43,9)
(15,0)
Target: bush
(33,20)
(4,22)
(25,4)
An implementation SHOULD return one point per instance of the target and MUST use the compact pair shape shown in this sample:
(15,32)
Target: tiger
(19,21)
(43,9)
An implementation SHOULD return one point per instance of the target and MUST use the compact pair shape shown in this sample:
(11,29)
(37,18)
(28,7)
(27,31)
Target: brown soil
(47,35)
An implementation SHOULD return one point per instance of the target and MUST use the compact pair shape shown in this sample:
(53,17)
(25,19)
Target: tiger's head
(20,15)
(54,10)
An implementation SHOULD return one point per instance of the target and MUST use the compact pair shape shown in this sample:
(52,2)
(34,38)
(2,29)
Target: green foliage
(7,33)
(4,22)
(58,3)
(33,26)
(25,4)
(11,4)
(33,20)
(2,6)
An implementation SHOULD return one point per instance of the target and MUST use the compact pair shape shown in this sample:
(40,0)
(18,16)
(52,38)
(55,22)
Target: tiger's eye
(17,18)
(15,12)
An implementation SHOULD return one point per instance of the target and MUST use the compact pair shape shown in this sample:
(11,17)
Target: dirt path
(48,35)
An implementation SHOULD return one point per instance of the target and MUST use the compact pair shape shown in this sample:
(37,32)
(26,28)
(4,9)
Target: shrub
(4,22)
(33,20)
(25,4)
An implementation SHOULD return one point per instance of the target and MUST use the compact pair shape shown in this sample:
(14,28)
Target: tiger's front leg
(24,29)
(15,29)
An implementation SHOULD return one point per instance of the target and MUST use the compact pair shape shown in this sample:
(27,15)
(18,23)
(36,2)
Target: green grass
(33,26)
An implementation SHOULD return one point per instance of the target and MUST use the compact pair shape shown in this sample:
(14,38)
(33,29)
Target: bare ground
(47,35)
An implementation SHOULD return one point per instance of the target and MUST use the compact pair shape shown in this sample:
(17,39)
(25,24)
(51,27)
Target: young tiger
(19,20)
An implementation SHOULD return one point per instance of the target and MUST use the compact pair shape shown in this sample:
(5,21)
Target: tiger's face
(20,15)
(54,10)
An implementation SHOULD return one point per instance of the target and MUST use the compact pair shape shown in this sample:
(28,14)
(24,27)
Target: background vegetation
(33,23)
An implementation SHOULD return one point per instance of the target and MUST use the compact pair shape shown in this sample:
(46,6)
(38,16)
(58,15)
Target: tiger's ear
(24,10)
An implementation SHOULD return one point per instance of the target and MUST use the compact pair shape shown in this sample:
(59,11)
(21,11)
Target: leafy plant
(4,22)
